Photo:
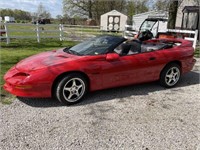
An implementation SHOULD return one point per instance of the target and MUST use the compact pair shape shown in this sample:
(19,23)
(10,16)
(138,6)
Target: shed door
(113,23)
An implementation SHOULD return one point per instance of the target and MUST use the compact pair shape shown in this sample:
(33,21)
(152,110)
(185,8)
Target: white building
(139,18)
(113,21)
(179,16)
(9,19)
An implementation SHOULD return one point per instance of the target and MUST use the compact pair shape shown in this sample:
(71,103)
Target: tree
(92,9)
(59,17)
(135,7)
(173,7)
(161,5)
(16,13)
(42,12)
(80,7)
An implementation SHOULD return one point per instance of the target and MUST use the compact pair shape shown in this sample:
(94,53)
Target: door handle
(152,58)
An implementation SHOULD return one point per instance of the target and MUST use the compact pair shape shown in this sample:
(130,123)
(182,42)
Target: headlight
(21,74)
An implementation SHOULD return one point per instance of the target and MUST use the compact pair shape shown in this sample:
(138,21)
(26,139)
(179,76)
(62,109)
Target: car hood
(45,59)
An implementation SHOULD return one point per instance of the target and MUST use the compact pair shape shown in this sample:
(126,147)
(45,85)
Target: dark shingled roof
(190,9)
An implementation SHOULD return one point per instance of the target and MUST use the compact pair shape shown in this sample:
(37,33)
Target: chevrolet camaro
(102,62)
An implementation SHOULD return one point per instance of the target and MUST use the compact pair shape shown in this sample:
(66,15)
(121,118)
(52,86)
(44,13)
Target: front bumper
(28,90)
(25,87)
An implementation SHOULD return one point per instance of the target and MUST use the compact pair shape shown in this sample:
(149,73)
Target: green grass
(7,100)
(20,49)
(197,52)
(23,30)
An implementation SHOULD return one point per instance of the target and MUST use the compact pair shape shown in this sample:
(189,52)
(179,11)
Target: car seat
(135,46)
(125,49)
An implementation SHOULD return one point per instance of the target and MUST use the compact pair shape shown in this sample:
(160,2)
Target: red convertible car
(99,63)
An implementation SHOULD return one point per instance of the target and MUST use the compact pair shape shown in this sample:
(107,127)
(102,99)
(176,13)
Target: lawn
(20,49)
(197,52)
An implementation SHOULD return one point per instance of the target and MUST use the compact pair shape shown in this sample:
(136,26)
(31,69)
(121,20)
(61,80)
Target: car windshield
(96,46)
(147,25)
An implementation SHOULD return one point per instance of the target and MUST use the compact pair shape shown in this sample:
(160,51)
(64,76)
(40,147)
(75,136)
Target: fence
(80,32)
(191,35)
(25,31)
(39,31)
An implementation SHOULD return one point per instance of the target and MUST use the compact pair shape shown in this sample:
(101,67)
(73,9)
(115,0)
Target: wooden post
(38,33)
(81,32)
(7,33)
(61,32)
(195,39)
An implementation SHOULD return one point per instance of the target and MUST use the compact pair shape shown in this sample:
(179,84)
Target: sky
(52,6)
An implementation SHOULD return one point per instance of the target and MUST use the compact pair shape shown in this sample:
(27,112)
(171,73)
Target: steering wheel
(145,35)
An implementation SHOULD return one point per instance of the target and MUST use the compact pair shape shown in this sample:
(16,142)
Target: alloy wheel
(172,76)
(74,89)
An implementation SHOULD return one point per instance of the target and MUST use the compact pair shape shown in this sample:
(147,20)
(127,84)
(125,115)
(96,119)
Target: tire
(71,89)
(170,75)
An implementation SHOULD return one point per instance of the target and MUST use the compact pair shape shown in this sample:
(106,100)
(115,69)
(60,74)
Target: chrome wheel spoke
(77,93)
(80,86)
(169,81)
(174,79)
(67,89)
(73,82)
(175,74)
(70,95)
(169,75)
(172,71)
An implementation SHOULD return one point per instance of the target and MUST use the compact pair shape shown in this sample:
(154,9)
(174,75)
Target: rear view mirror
(112,56)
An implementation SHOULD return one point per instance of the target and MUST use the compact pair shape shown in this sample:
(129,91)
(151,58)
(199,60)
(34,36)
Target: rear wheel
(71,89)
(170,75)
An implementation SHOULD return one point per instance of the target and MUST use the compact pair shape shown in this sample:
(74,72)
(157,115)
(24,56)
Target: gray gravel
(144,117)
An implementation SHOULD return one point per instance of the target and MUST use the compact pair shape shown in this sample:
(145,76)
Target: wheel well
(67,73)
(173,62)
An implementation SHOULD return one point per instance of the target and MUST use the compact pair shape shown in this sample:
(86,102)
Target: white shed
(9,19)
(113,21)
(139,18)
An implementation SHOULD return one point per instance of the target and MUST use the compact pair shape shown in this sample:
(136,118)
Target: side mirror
(112,56)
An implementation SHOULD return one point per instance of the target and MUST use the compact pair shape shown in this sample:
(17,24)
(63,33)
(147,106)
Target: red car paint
(35,76)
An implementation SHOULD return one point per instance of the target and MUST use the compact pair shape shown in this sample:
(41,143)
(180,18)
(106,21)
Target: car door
(130,69)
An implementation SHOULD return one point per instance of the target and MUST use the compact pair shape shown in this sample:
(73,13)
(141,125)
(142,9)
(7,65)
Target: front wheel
(71,89)
(170,75)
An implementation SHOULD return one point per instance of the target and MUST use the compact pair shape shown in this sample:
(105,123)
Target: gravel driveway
(144,117)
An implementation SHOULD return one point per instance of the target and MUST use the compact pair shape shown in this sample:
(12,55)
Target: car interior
(135,47)
(143,44)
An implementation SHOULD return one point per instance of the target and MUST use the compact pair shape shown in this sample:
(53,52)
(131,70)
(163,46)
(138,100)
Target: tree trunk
(90,9)
(173,7)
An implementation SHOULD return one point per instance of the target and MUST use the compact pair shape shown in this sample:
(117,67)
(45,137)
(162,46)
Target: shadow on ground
(188,79)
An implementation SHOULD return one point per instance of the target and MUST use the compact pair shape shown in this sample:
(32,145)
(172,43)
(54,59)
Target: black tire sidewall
(59,88)
(164,72)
